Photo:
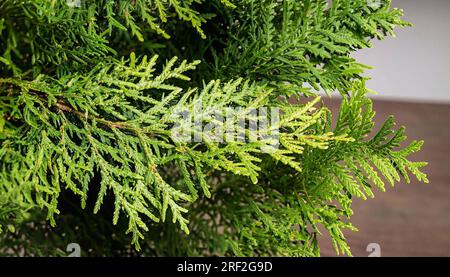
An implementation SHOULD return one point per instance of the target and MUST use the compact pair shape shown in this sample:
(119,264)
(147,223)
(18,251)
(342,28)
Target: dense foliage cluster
(88,90)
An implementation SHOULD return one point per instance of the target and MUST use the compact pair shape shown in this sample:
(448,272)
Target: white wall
(415,65)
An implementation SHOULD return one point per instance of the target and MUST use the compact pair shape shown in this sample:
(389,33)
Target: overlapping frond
(118,121)
(305,44)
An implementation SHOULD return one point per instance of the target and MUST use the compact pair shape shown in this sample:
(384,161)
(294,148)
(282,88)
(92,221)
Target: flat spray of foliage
(87,90)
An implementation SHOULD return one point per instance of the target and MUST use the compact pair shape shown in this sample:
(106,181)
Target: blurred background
(412,75)
(415,65)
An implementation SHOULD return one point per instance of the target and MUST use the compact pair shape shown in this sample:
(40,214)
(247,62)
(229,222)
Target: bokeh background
(412,75)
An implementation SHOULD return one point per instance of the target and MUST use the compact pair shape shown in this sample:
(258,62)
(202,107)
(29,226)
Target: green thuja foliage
(91,98)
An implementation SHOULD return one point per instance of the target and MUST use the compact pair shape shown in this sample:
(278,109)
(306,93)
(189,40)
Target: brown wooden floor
(414,219)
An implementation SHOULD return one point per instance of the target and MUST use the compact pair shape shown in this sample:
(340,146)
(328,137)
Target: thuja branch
(79,113)
(82,115)
(64,107)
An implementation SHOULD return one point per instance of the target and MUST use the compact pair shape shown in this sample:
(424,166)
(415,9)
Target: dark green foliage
(87,152)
